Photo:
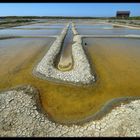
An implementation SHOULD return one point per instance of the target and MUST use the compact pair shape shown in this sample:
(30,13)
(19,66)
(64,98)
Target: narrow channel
(65,61)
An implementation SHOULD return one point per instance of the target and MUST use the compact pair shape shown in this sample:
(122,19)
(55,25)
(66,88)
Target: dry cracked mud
(21,116)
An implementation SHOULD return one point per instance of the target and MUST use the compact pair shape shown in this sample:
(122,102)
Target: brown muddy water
(65,59)
(116,62)
(15,55)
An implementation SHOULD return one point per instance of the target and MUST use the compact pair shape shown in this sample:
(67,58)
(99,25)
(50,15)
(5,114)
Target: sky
(67,9)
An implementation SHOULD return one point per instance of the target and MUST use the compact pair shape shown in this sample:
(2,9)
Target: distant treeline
(15,21)
(129,18)
(47,17)
(62,17)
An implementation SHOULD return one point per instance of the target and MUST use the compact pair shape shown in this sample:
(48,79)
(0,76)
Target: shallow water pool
(116,62)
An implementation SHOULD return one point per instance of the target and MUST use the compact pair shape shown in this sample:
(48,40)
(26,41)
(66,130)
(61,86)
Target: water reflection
(23,32)
(42,26)
(95,26)
(105,29)
(122,31)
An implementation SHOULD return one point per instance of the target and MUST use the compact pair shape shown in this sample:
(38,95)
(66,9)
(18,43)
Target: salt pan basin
(81,72)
